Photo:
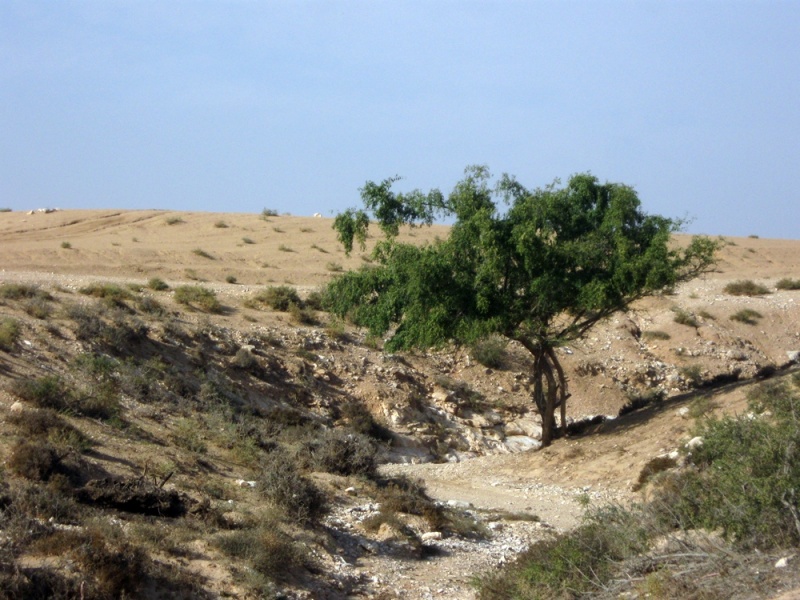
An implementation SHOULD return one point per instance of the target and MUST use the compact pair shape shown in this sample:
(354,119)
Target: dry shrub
(745,288)
(282,485)
(34,459)
(343,453)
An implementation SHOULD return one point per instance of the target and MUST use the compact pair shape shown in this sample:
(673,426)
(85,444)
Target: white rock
(431,536)
(683,412)
(351,491)
(695,442)
(794,355)
(245,483)
(521,443)
(17,407)
(782,563)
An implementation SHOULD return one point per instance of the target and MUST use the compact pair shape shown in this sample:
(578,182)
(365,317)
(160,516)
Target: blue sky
(236,106)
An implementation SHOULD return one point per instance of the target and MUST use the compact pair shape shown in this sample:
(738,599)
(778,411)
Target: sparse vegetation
(267,213)
(174,221)
(745,288)
(66,245)
(788,284)
(284,248)
(655,335)
(693,374)
(221,225)
(748,316)
(230,279)
(202,253)
(248,240)
(683,317)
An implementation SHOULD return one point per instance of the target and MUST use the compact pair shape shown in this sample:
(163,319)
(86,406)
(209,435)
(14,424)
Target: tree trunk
(549,390)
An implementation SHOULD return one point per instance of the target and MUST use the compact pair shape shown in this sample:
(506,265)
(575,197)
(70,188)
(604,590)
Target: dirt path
(514,505)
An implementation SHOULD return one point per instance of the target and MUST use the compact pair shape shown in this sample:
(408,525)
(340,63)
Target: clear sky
(236,106)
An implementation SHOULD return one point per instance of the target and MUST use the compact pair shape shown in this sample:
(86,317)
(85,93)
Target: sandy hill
(179,406)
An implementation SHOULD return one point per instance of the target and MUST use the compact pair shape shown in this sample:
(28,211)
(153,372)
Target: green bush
(573,564)
(9,333)
(745,288)
(747,473)
(490,351)
(748,316)
(113,295)
(198,297)
(788,284)
(157,284)
(280,298)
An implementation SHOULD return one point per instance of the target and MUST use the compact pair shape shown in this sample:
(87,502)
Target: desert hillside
(155,400)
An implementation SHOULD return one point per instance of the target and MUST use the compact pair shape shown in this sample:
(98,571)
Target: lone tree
(542,271)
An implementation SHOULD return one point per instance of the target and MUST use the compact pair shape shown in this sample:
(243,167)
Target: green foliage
(788,284)
(66,245)
(221,225)
(747,472)
(572,564)
(745,288)
(543,272)
(9,333)
(174,221)
(198,297)
(748,316)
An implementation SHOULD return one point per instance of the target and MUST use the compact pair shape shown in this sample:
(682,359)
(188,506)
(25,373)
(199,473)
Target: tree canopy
(540,267)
